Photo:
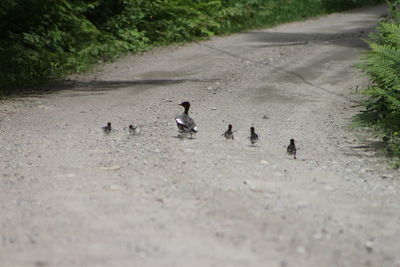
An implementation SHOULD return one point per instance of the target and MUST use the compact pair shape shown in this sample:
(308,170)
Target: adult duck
(185,123)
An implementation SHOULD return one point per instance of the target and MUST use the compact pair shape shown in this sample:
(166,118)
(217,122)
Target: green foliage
(382,64)
(394,7)
(41,40)
(44,40)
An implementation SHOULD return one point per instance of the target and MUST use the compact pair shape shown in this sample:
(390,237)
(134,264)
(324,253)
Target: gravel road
(71,195)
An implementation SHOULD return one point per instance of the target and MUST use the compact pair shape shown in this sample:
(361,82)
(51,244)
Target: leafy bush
(382,65)
(41,40)
(44,40)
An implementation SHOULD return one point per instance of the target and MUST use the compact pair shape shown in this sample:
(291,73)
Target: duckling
(107,129)
(291,149)
(185,123)
(134,129)
(228,133)
(253,136)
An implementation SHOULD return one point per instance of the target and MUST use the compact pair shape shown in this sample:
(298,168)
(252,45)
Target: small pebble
(369,245)
(329,188)
(111,168)
(302,204)
(317,236)
(301,250)
(114,188)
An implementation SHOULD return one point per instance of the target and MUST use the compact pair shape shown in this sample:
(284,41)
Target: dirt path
(72,196)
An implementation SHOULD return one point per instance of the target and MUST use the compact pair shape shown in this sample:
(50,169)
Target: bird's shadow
(183,138)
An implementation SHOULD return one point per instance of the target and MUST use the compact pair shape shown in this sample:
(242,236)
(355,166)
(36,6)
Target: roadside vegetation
(46,40)
(382,65)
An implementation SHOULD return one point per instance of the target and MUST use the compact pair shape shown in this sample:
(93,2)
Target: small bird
(291,149)
(185,123)
(134,129)
(253,136)
(228,133)
(107,129)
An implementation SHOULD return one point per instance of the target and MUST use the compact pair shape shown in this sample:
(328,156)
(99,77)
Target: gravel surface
(71,195)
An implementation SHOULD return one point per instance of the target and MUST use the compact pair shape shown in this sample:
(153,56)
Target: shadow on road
(103,85)
(351,38)
(97,85)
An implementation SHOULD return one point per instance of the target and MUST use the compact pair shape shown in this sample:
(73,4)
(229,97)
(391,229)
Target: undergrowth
(382,65)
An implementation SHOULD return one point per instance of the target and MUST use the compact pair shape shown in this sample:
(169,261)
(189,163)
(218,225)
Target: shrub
(382,65)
